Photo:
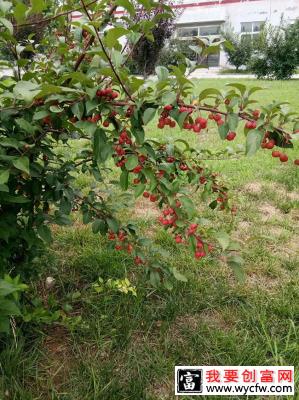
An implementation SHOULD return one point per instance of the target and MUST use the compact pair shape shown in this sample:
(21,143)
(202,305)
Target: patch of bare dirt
(212,318)
(145,209)
(253,187)
(58,357)
(281,191)
(243,231)
(268,211)
(264,282)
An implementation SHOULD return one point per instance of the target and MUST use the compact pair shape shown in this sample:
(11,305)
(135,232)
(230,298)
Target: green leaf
(253,141)
(5,6)
(211,92)
(223,239)
(223,130)
(19,12)
(188,205)
(114,34)
(162,73)
(37,6)
(239,86)
(97,225)
(178,276)
(236,263)
(4,175)
(148,115)
(113,224)
(232,120)
(127,5)
(78,109)
(87,127)
(124,180)
(22,164)
(37,116)
(26,90)
(7,24)
(132,162)
(44,233)
(139,189)
(9,307)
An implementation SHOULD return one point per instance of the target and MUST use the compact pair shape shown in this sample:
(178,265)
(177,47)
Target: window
(191,31)
(251,29)
(187,32)
(209,30)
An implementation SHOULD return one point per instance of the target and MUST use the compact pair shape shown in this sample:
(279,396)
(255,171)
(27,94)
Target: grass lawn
(127,346)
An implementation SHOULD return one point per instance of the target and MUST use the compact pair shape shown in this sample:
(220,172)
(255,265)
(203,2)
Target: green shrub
(239,55)
(276,52)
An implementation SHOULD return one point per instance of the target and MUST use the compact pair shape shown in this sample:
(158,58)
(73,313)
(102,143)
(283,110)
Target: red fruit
(220,122)
(170,159)
(217,117)
(296,162)
(256,113)
(137,169)
(178,239)
(270,144)
(153,198)
(183,167)
(114,95)
(161,124)
(111,236)
(106,123)
(196,128)
(172,124)
(230,136)
(199,254)
(138,260)
(276,153)
(283,157)
(264,145)
(250,125)
(202,122)
(129,248)
(168,107)
(142,158)
(47,120)
(73,119)
(146,195)
(165,222)
(202,180)
(136,181)
(118,247)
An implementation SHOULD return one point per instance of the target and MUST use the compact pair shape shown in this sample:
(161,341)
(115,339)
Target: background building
(209,17)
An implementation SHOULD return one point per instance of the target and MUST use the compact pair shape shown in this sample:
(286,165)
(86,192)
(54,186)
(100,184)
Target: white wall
(233,14)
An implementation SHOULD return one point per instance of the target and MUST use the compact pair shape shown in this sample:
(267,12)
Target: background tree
(144,57)
(276,52)
(239,54)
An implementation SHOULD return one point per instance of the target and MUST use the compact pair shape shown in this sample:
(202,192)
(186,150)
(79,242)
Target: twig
(42,21)
(106,53)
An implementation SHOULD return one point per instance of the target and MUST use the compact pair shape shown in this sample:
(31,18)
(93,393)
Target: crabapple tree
(78,93)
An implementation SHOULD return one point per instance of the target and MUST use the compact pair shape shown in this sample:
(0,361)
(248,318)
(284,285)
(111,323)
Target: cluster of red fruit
(124,139)
(107,94)
(164,119)
(196,126)
(121,243)
(169,216)
(269,143)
